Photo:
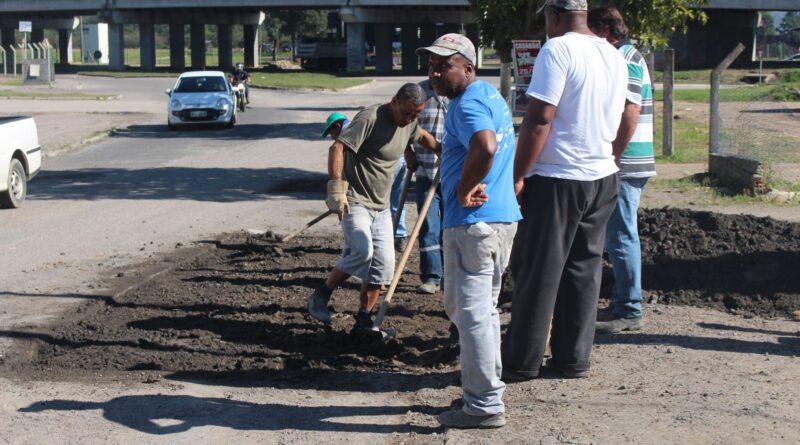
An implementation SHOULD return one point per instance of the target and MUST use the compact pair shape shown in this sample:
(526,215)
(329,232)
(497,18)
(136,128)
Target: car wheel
(17,186)
(232,122)
(170,127)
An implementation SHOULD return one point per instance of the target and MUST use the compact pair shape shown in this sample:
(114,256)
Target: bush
(790,76)
(785,93)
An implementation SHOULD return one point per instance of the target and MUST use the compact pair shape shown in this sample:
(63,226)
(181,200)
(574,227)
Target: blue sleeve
(473,117)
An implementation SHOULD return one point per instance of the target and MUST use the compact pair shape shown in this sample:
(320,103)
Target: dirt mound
(740,263)
(239,306)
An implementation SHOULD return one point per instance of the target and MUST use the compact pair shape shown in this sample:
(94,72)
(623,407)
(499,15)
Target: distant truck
(323,54)
(20,159)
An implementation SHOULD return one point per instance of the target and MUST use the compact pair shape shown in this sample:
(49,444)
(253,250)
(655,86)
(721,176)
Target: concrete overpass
(417,18)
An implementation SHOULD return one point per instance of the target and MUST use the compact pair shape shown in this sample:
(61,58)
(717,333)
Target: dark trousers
(558,249)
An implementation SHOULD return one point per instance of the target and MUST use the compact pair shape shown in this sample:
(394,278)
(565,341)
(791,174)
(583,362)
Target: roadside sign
(25,26)
(524,54)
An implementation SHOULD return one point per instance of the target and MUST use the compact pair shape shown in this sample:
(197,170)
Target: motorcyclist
(242,76)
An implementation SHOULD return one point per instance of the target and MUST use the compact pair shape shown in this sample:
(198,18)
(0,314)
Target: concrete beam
(116,47)
(147,46)
(426,36)
(352,14)
(12,21)
(198,43)
(356,38)
(225,46)
(408,46)
(177,46)
(225,16)
(65,46)
(383,47)
(251,49)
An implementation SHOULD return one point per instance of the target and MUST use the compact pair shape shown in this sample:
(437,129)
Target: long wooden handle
(309,224)
(402,202)
(398,270)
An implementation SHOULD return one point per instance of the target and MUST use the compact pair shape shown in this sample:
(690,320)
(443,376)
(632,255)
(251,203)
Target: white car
(20,159)
(201,97)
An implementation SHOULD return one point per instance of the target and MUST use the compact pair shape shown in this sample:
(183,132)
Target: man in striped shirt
(425,165)
(633,151)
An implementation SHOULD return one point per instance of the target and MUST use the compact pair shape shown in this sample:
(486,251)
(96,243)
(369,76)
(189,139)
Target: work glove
(337,197)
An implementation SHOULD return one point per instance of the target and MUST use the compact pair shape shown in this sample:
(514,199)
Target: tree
(789,30)
(307,23)
(651,22)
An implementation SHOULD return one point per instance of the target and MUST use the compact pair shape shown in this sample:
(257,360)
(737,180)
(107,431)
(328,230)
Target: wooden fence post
(669,84)
(714,116)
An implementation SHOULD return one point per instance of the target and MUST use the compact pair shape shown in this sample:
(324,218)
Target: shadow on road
(171,414)
(178,183)
(241,132)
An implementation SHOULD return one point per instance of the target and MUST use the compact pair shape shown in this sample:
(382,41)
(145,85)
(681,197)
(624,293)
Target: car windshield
(201,84)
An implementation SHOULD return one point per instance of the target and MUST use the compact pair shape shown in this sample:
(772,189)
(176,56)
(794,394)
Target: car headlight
(176,105)
(223,104)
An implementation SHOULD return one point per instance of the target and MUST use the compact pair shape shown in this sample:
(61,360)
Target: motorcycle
(239,91)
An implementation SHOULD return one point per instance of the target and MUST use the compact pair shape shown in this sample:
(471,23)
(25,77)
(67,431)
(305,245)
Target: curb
(90,140)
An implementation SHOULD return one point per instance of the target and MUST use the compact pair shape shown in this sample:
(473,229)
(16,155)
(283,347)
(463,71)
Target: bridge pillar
(225,46)
(7,39)
(251,49)
(383,47)
(356,38)
(427,36)
(65,46)
(474,34)
(198,43)
(408,46)
(147,46)
(116,47)
(37,35)
(177,46)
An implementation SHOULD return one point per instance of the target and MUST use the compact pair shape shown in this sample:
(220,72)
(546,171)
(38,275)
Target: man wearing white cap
(480,219)
(566,178)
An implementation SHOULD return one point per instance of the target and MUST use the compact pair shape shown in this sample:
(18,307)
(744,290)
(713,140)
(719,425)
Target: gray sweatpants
(475,256)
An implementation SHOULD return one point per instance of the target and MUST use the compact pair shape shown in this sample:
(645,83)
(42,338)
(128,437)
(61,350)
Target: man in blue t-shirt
(480,220)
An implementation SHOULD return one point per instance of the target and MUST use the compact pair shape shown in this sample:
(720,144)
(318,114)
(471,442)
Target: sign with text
(25,26)
(524,54)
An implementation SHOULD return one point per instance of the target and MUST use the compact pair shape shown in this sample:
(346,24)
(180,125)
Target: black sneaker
(618,324)
(400,244)
(364,323)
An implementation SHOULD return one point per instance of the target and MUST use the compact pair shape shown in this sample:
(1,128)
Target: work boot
(457,418)
(400,244)
(429,288)
(318,304)
(619,324)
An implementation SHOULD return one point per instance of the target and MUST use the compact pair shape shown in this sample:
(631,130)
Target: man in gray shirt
(361,165)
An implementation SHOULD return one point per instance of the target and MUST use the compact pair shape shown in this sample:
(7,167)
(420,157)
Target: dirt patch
(239,305)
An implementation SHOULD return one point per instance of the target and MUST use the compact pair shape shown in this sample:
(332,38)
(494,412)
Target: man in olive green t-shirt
(361,165)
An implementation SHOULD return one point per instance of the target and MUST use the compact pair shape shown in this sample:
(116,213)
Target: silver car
(201,97)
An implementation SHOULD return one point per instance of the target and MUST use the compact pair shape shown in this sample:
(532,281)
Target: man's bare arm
(477,164)
(336,160)
(428,141)
(627,128)
(532,136)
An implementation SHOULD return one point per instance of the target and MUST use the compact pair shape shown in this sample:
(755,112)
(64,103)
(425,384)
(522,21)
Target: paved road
(143,190)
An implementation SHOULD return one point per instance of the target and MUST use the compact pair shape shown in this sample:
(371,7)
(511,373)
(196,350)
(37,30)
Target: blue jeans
(430,234)
(397,188)
(624,249)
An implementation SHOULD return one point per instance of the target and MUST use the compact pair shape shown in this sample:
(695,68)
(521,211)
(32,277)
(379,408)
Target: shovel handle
(398,272)
(308,224)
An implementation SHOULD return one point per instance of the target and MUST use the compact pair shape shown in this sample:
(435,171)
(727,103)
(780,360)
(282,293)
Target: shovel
(398,271)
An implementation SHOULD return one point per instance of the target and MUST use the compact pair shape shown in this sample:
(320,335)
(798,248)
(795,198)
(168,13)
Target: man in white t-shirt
(566,181)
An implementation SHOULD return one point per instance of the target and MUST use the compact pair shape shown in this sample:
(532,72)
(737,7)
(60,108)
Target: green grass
(283,80)
(765,93)
(132,57)
(709,190)
(690,142)
(8,94)
(11,81)
(304,80)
